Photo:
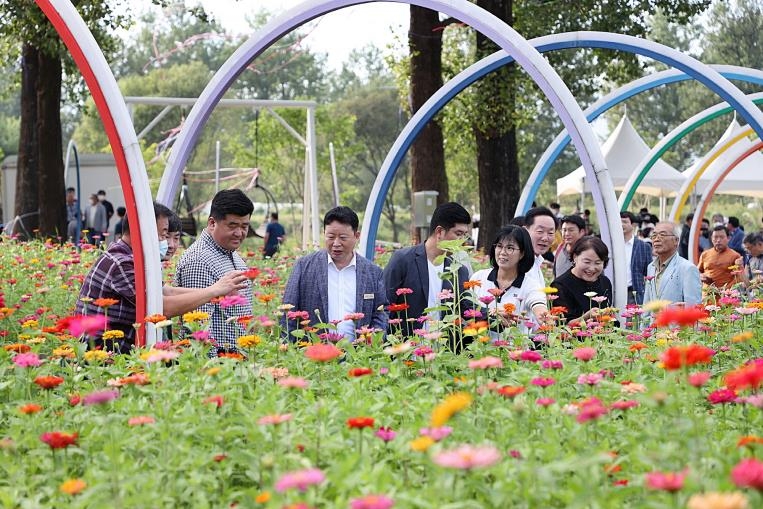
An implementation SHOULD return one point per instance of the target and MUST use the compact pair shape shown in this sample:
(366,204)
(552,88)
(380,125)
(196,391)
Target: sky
(335,34)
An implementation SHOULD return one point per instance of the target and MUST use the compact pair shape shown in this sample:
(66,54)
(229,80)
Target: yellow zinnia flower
(421,444)
(96,356)
(452,404)
(195,316)
(248,341)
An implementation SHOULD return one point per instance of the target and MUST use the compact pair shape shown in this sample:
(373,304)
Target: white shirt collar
(351,264)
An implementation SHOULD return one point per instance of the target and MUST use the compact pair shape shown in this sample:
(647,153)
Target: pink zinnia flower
(486,363)
(467,457)
(624,404)
(88,324)
(545,401)
(551,364)
(300,479)
(354,316)
(722,396)
(403,291)
(666,481)
(140,420)
(274,419)
(293,382)
(233,300)
(590,378)
(372,502)
(699,378)
(590,409)
(584,354)
(487,299)
(472,313)
(27,360)
(436,434)
(385,433)
(748,473)
(99,397)
(162,356)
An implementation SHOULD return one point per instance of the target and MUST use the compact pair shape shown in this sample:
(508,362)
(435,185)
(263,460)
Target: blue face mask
(163,247)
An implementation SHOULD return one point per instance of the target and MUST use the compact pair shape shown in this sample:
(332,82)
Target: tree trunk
(51,182)
(496,137)
(27,163)
(427,152)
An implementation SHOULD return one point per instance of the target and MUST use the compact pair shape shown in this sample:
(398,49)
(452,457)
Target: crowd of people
(336,285)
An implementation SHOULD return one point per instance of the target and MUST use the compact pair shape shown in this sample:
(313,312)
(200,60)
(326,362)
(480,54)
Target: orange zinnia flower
(688,355)
(637,346)
(472,284)
(509,308)
(104,302)
(322,353)
(510,391)
(73,486)
(749,376)
(17,347)
(749,440)
(356,372)
(155,318)
(29,408)
(48,382)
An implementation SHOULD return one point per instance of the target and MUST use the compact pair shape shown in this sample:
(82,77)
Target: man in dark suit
(336,283)
(418,268)
(639,253)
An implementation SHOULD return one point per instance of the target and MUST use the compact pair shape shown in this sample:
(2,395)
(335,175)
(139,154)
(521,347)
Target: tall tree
(427,153)
(40,173)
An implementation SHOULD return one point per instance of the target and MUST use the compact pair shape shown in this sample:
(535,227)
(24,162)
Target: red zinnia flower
(252,273)
(396,308)
(216,400)
(667,481)
(48,382)
(58,439)
(682,316)
(749,376)
(356,372)
(688,355)
(360,422)
(722,396)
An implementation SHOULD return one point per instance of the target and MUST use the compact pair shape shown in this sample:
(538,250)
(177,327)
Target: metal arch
(691,179)
(124,144)
(708,193)
(606,103)
(502,34)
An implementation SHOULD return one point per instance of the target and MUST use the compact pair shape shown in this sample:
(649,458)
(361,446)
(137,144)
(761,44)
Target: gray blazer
(307,290)
(679,283)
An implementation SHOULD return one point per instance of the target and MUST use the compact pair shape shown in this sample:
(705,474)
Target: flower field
(597,417)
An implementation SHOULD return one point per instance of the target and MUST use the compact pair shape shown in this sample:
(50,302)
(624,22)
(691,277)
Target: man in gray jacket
(669,276)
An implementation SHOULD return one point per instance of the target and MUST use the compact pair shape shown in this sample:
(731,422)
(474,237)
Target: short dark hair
(534,212)
(554,205)
(630,215)
(753,238)
(734,221)
(448,215)
(591,242)
(274,215)
(101,191)
(342,214)
(175,224)
(721,228)
(518,221)
(230,201)
(522,238)
(71,190)
(159,211)
(121,211)
(689,216)
(706,220)
(576,220)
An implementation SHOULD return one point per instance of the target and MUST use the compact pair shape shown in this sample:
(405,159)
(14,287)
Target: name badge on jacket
(368,296)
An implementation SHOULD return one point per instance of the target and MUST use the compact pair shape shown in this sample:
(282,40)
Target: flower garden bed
(598,418)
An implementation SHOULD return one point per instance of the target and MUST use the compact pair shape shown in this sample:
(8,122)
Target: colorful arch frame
(124,144)
(502,34)
(707,194)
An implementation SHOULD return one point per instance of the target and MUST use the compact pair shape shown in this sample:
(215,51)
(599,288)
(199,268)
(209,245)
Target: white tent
(623,151)
(745,178)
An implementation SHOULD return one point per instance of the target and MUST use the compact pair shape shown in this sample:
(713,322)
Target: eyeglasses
(507,247)
(661,235)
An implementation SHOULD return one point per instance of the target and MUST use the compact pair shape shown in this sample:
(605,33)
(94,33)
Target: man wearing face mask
(113,277)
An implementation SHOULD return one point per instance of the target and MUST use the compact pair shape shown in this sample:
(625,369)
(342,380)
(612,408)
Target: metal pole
(333,175)
(217,166)
(313,165)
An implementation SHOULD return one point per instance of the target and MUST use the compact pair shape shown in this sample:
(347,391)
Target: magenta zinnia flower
(233,300)
(386,433)
(748,473)
(467,457)
(88,324)
(372,502)
(436,434)
(27,360)
(99,397)
(300,479)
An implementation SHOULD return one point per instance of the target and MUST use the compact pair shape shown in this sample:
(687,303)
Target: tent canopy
(623,151)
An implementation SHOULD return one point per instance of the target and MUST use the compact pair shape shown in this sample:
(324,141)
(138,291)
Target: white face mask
(163,247)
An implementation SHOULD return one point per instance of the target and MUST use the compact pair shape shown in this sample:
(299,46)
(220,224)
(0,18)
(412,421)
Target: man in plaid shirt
(113,277)
(212,256)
